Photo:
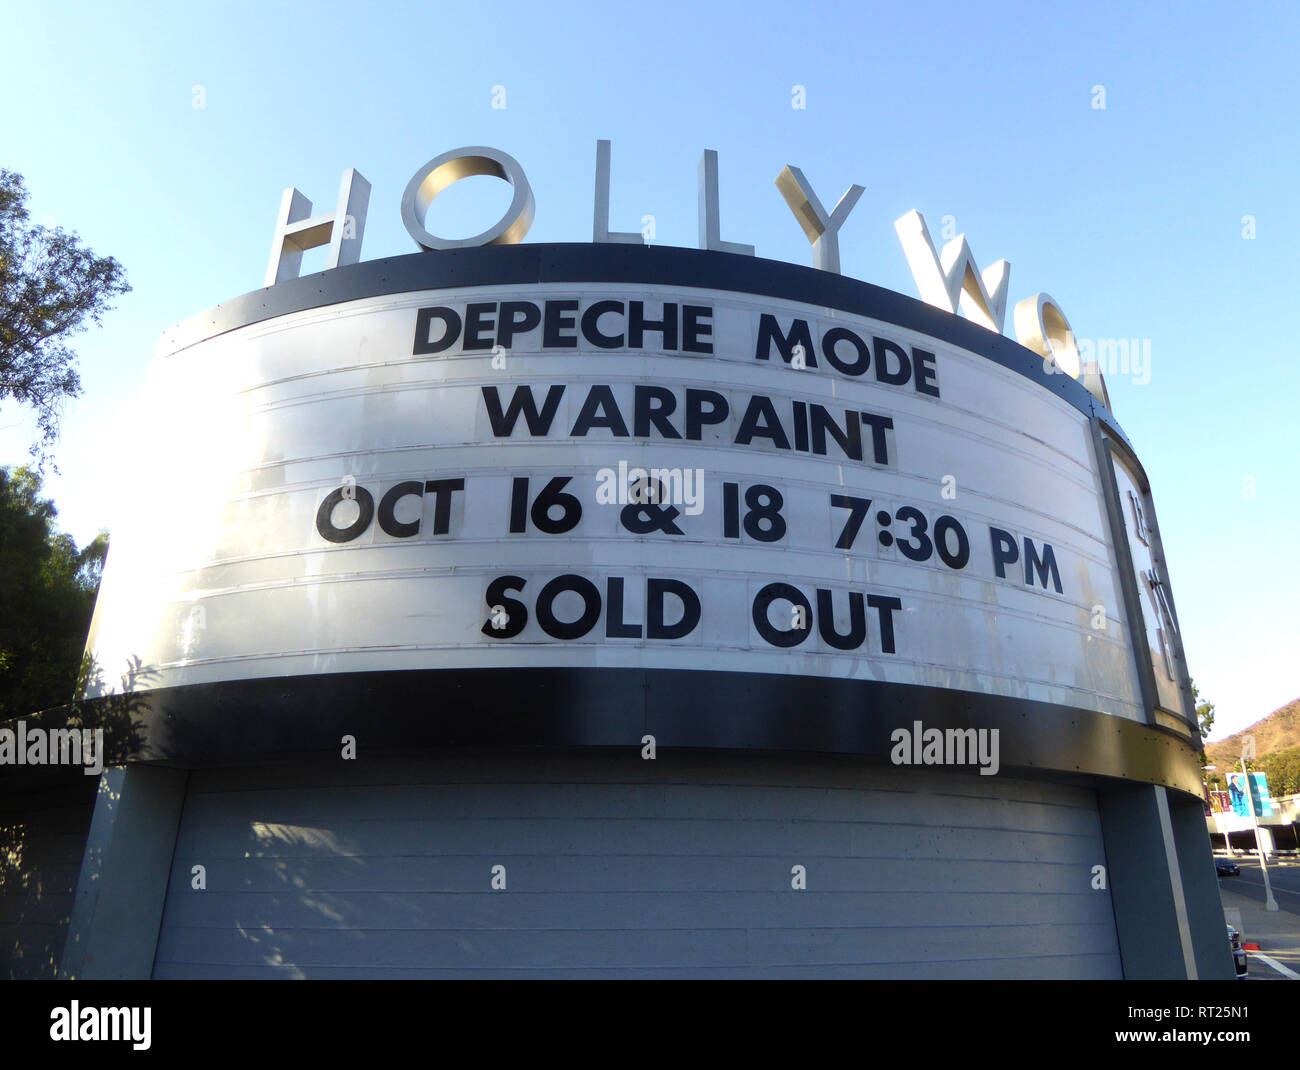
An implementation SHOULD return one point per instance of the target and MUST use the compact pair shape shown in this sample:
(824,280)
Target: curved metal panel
(399,474)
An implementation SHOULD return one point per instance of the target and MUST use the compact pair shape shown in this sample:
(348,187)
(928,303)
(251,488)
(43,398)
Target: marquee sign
(620,476)
(573,476)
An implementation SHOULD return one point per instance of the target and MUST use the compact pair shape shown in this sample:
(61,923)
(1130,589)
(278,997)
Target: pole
(1269,902)
(1227,836)
(1220,818)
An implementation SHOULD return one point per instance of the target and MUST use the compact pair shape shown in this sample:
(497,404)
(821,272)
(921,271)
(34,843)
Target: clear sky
(164,134)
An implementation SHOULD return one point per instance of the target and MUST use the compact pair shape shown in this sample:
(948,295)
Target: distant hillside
(1278,731)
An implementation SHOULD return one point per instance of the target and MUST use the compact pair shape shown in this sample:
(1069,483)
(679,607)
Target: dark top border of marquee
(505,265)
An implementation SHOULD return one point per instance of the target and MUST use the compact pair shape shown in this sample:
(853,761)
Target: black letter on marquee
(925,373)
(826,621)
(717,413)
(516,611)
(325,515)
(801,426)
(654,609)
(581,586)
(615,626)
(637,325)
(1004,551)
(424,320)
(388,503)
(591,328)
(693,331)
(503,424)
(509,325)
(442,490)
(776,636)
(839,334)
(557,321)
(849,440)
(886,348)
(1043,567)
(879,443)
(769,428)
(645,413)
(600,398)
(769,332)
(885,608)
(477,320)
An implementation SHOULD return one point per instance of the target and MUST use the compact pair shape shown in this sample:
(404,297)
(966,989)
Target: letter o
(841,334)
(584,589)
(440,172)
(1041,326)
(325,515)
(775,592)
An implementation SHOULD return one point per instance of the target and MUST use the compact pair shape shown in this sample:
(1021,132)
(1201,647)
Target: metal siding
(42,840)
(617,867)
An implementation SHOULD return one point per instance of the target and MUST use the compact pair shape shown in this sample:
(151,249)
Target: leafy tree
(1204,718)
(1282,768)
(47,595)
(50,284)
(1204,712)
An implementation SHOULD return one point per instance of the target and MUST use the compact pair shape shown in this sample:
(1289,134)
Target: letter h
(297,230)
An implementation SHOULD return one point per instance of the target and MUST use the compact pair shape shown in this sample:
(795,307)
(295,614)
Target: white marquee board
(225,574)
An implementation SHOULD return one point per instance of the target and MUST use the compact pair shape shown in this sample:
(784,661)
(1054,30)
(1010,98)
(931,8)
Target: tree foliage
(50,286)
(1204,718)
(1204,712)
(46,598)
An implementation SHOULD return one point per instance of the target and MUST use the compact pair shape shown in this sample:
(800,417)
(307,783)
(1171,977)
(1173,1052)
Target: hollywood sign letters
(950,280)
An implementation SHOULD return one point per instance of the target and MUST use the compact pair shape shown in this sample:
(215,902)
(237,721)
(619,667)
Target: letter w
(503,423)
(956,278)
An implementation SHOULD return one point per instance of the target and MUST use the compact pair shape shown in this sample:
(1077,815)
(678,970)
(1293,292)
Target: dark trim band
(713,710)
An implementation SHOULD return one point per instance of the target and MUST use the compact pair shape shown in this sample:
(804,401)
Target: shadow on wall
(42,841)
(262,912)
(121,714)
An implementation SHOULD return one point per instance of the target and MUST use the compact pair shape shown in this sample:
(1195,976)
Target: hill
(1280,730)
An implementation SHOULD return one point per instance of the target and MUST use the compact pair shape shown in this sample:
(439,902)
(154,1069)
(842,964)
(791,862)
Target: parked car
(1225,867)
(1238,952)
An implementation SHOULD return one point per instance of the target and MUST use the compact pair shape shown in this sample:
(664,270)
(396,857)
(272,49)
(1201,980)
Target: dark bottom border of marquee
(607,707)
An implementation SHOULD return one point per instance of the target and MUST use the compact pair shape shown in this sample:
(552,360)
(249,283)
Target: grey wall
(1166,893)
(42,836)
(622,867)
(1201,888)
(113,930)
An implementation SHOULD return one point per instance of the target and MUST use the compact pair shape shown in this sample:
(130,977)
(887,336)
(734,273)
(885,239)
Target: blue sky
(1131,216)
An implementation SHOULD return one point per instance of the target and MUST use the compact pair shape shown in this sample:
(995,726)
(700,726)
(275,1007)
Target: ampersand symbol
(643,518)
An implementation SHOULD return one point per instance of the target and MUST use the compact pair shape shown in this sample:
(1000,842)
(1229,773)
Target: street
(1278,934)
